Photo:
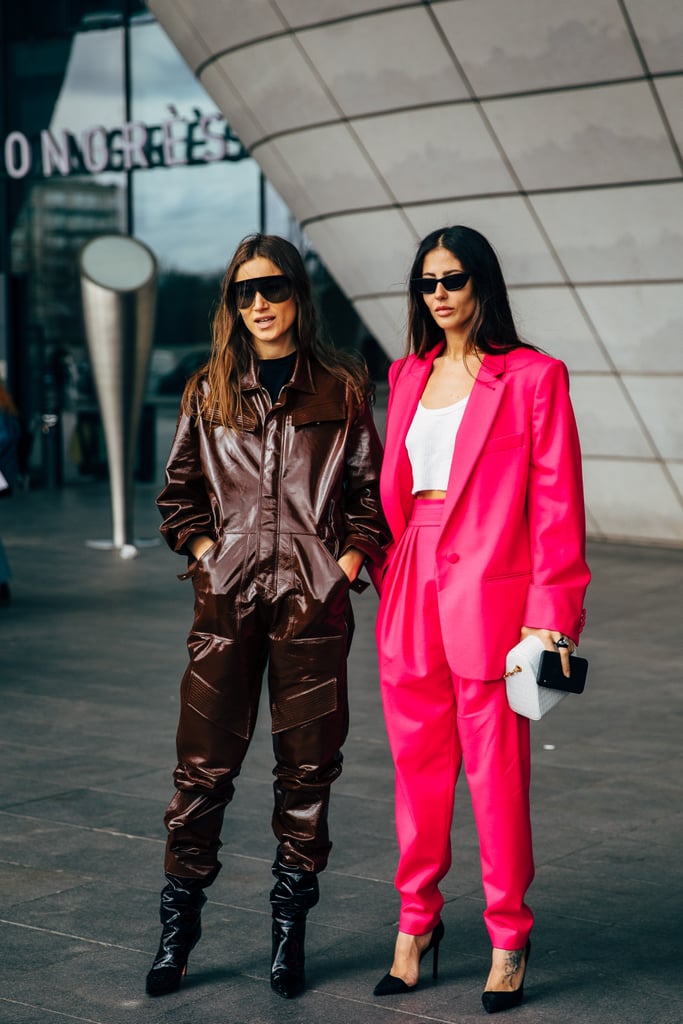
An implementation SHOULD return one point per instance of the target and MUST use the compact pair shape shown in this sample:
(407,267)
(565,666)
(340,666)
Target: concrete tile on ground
(96,853)
(93,808)
(21,884)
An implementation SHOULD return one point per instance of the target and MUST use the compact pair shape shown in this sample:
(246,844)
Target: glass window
(279,220)
(59,86)
(93,90)
(111,132)
(194,210)
(193,217)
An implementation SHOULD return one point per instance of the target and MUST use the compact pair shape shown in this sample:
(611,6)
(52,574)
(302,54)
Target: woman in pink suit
(481,485)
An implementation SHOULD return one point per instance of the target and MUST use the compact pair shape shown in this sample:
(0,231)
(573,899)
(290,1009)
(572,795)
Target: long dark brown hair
(493,326)
(214,392)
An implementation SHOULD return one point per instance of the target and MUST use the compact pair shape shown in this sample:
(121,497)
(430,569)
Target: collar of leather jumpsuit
(302,378)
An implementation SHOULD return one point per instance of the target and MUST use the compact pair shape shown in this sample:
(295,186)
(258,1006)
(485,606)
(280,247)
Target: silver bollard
(118,292)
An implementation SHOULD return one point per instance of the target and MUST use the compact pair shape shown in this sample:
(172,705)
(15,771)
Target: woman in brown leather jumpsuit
(272,492)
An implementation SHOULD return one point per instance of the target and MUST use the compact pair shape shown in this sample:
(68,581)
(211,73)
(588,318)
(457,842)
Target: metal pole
(118,290)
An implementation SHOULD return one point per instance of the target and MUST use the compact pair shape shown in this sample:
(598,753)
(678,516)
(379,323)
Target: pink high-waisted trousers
(436,721)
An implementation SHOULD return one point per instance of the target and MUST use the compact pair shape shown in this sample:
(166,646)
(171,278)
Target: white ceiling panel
(217,28)
(383,62)
(285,180)
(607,423)
(570,168)
(552,319)
(242,120)
(584,137)
(507,224)
(592,528)
(278,84)
(659,403)
(640,325)
(332,170)
(180,27)
(222,30)
(631,234)
(379,264)
(676,470)
(534,44)
(671,94)
(632,500)
(385,317)
(435,152)
(659,25)
(303,12)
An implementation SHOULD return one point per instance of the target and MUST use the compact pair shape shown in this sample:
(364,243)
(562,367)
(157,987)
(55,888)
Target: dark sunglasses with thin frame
(275,288)
(451,282)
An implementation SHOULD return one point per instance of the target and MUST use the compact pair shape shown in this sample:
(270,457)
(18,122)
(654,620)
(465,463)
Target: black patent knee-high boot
(180,911)
(292,896)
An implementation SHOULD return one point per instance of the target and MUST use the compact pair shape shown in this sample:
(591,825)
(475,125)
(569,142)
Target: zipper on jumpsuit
(269,412)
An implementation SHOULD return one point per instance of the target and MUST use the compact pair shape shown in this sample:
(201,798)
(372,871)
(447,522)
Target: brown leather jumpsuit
(283,497)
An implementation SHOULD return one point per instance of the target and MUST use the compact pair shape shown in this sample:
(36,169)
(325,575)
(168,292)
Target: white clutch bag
(524,694)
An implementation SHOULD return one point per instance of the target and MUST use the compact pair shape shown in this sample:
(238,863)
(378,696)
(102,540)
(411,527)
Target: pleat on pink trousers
(437,721)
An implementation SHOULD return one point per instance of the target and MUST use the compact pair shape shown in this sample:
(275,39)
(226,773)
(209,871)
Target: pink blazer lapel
(480,413)
(397,475)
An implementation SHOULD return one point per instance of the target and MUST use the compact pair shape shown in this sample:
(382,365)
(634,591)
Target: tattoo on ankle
(513,961)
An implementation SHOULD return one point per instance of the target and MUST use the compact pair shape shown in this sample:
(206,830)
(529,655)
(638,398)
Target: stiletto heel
(435,961)
(182,900)
(390,985)
(494,1002)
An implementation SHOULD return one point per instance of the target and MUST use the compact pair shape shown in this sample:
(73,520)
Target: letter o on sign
(17,155)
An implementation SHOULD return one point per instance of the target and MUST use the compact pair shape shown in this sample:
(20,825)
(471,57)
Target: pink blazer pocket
(499,444)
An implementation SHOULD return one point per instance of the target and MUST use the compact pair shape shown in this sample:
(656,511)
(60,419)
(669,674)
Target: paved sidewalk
(92,651)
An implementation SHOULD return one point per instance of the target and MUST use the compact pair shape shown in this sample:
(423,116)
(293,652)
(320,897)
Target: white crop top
(430,442)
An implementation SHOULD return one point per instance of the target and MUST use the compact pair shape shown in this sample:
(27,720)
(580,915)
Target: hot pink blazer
(511,550)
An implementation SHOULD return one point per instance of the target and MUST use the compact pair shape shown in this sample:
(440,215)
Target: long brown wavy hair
(214,392)
(493,327)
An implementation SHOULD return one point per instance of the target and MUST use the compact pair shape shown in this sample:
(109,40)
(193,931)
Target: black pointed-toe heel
(390,985)
(495,1002)
(182,900)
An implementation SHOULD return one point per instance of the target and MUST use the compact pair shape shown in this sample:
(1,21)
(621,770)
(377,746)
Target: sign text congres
(205,138)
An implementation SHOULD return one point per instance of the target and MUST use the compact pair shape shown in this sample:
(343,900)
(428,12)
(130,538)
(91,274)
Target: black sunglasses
(451,282)
(276,288)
